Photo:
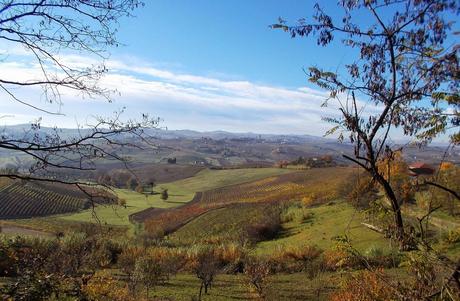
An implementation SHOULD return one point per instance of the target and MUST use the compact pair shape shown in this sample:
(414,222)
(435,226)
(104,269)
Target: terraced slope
(24,200)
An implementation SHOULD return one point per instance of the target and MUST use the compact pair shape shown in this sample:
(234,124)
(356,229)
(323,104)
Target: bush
(365,286)
(307,259)
(373,251)
(127,259)
(452,237)
(267,228)
(103,287)
(164,194)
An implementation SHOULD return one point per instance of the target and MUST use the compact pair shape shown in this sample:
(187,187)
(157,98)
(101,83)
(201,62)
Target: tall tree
(50,31)
(404,63)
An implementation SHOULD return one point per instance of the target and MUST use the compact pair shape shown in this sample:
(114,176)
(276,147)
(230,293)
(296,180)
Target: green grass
(180,192)
(233,287)
(325,223)
(118,215)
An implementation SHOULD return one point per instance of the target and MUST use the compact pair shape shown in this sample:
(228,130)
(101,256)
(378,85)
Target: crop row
(20,200)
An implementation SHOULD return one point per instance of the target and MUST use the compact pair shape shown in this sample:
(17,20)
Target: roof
(419,168)
(419,165)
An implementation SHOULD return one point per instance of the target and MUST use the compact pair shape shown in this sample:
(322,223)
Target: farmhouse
(420,168)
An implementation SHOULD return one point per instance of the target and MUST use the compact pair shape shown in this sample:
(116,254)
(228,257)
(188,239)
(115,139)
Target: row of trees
(128,180)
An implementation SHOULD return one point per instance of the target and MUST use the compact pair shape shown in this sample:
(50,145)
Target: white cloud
(235,105)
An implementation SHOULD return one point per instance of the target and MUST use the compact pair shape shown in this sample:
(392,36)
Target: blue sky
(200,65)
(229,39)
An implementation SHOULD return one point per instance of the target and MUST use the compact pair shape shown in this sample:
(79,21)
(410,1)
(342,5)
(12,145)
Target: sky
(201,65)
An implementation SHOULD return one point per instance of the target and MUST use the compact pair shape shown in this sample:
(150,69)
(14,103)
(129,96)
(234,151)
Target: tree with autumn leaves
(403,62)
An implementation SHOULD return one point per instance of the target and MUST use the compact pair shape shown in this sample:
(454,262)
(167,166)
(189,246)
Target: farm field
(180,192)
(276,189)
(221,225)
(18,200)
(284,187)
(9,230)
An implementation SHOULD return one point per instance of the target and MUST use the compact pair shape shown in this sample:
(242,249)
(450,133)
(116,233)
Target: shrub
(452,237)
(340,259)
(128,257)
(365,286)
(266,228)
(373,251)
(307,259)
(122,202)
(103,287)
(232,256)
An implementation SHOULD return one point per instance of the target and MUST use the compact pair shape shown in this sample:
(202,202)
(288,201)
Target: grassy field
(317,226)
(233,287)
(180,192)
(324,224)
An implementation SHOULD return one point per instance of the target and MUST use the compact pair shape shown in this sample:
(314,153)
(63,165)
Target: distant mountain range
(22,129)
(221,148)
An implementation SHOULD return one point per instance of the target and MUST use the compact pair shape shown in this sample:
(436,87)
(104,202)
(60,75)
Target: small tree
(206,268)
(164,194)
(132,183)
(152,184)
(148,272)
(257,272)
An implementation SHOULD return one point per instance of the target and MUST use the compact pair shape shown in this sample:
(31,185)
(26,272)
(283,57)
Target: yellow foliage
(103,287)
(393,166)
(446,166)
(336,259)
(366,286)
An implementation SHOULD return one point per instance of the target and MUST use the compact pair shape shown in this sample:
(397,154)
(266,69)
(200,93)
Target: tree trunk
(201,290)
(398,221)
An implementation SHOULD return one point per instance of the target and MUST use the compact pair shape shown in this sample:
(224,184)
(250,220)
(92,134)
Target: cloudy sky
(199,65)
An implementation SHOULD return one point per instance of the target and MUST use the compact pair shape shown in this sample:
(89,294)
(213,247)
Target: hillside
(25,200)
(214,149)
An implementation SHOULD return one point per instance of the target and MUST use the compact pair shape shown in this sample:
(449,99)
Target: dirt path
(435,221)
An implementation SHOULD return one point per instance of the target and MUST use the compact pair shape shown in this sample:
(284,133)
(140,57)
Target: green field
(234,287)
(326,222)
(180,192)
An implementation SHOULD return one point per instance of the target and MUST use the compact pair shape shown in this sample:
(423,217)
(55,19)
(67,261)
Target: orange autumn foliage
(365,286)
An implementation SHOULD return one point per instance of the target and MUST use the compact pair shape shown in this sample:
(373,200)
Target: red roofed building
(420,168)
